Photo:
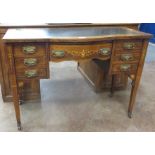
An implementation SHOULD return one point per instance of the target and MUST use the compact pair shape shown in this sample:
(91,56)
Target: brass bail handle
(105,51)
(31,73)
(30,62)
(58,53)
(125,67)
(129,46)
(29,49)
(127,57)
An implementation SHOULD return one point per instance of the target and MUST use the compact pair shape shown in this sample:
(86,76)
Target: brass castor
(130,114)
(19,126)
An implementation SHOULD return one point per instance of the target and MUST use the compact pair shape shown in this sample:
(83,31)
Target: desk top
(49,25)
(77,34)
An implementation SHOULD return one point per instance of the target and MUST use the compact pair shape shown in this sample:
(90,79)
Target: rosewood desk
(98,80)
(30,50)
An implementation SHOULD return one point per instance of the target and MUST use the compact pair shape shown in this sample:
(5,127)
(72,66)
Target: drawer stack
(31,61)
(126,56)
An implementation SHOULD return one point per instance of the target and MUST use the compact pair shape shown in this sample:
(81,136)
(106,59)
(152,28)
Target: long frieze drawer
(36,62)
(32,73)
(126,58)
(129,68)
(80,51)
(29,50)
(128,45)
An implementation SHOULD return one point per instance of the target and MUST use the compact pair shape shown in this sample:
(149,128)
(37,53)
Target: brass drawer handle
(105,51)
(29,49)
(58,53)
(125,67)
(31,73)
(30,62)
(127,57)
(129,46)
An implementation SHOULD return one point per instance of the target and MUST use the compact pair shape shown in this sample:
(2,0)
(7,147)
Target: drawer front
(128,45)
(126,58)
(80,51)
(131,68)
(37,62)
(29,50)
(32,73)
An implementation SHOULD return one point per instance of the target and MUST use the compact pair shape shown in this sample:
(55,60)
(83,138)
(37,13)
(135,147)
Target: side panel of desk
(4,70)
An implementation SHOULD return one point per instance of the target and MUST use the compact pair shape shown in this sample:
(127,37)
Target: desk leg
(20,88)
(136,81)
(132,97)
(14,85)
(16,105)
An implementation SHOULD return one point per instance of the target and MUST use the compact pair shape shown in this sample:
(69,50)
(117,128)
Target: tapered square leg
(16,106)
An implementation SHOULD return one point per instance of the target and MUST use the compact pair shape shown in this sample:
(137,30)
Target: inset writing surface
(71,33)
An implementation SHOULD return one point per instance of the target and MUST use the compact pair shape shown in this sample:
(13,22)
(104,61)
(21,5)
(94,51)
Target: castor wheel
(130,114)
(19,126)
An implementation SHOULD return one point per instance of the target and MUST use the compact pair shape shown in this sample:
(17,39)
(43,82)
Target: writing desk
(99,80)
(30,50)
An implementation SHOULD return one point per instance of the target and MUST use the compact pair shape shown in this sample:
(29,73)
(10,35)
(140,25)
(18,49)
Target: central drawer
(58,52)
